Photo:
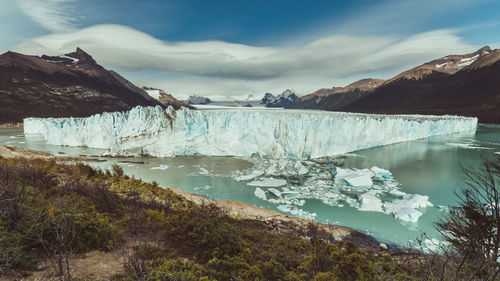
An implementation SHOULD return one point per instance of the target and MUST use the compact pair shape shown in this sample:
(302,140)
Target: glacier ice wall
(273,133)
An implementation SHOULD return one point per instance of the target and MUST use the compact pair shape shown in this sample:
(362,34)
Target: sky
(233,49)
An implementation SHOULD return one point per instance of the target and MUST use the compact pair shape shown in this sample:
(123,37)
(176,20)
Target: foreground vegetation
(51,214)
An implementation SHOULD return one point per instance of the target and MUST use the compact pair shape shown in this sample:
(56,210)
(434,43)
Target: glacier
(266,133)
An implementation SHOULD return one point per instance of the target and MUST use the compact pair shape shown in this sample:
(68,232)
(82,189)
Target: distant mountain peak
(282,100)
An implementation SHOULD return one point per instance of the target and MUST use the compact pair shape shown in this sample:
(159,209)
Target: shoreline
(11,125)
(278,222)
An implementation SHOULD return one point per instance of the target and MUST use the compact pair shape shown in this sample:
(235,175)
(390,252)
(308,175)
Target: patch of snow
(75,60)
(442,65)
(154,94)
(467,61)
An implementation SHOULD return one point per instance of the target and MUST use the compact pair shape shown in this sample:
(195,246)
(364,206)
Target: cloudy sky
(231,49)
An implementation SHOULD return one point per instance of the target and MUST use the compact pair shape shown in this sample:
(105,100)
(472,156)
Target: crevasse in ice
(278,134)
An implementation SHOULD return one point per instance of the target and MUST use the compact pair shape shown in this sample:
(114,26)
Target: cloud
(53,15)
(236,69)
(334,56)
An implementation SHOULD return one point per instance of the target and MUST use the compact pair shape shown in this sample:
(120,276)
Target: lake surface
(428,167)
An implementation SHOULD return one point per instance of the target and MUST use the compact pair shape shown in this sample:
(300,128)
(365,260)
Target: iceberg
(259,193)
(268,182)
(224,132)
(355,178)
(275,192)
(369,202)
(405,208)
(381,174)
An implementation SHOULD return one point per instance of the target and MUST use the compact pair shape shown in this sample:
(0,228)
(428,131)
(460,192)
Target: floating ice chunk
(497,153)
(253,175)
(259,193)
(407,214)
(204,171)
(354,178)
(301,170)
(359,181)
(268,182)
(161,167)
(275,192)
(206,187)
(416,201)
(405,208)
(434,245)
(467,146)
(443,208)
(369,202)
(277,200)
(381,174)
(290,194)
(396,192)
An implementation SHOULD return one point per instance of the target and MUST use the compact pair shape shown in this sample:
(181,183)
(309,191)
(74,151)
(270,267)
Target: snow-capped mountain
(59,86)
(455,84)
(197,100)
(465,85)
(281,100)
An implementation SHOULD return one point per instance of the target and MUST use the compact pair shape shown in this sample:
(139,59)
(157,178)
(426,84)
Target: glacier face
(270,133)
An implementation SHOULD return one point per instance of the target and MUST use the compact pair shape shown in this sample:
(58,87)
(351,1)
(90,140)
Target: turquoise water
(428,167)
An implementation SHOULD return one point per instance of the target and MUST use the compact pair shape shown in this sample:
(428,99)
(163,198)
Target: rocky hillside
(60,86)
(459,84)
(337,97)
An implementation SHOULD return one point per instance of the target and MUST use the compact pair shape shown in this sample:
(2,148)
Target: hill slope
(62,86)
(464,85)
(456,84)
(338,97)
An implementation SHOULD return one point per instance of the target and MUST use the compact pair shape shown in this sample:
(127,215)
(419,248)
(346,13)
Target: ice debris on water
(297,212)
(251,176)
(373,189)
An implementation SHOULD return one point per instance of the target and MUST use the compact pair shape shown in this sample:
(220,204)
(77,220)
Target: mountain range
(61,86)
(465,85)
